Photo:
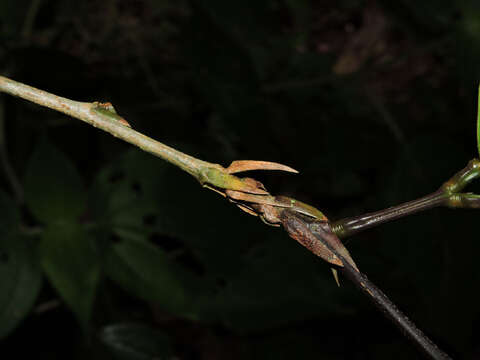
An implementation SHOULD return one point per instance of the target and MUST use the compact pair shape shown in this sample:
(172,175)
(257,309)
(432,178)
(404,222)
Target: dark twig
(350,226)
(448,195)
(390,310)
(294,222)
(303,222)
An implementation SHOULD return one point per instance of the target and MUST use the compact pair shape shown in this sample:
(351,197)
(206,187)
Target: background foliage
(107,252)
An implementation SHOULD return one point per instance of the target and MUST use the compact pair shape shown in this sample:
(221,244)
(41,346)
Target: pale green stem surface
(85,111)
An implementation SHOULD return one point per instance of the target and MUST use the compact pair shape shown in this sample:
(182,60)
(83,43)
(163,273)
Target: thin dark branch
(390,310)
(294,222)
(349,226)
(299,226)
(448,195)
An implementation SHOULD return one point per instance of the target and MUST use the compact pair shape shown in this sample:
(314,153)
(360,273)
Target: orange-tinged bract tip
(249,165)
(124,122)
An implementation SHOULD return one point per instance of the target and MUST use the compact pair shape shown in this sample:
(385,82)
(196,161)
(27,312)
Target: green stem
(87,112)
(205,172)
(462,178)
(468,200)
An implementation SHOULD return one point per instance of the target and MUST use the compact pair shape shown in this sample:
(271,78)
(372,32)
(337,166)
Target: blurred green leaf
(9,214)
(136,342)
(71,264)
(139,186)
(53,187)
(470,22)
(146,272)
(259,297)
(20,279)
(478,121)
(20,275)
(120,200)
(255,284)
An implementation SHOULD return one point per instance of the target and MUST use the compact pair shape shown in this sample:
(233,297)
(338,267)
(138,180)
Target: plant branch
(104,116)
(299,224)
(390,310)
(350,226)
(303,222)
(108,121)
(448,195)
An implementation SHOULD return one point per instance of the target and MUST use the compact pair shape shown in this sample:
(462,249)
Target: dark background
(374,102)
